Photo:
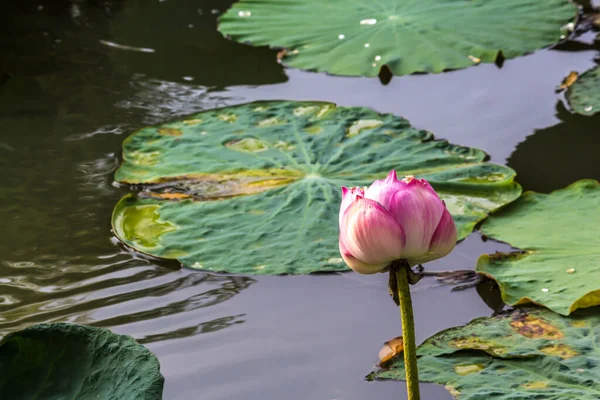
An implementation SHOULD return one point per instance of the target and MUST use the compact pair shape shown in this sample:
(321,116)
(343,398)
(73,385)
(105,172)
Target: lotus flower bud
(393,220)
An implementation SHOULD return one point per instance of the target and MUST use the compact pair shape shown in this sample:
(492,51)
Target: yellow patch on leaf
(475,343)
(463,370)
(535,385)
(192,121)
(170,132)
(561,350)
(452,390)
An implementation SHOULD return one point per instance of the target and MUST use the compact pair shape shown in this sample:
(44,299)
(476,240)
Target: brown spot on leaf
(281,54)
(535,328)
(166,196)
(219,186)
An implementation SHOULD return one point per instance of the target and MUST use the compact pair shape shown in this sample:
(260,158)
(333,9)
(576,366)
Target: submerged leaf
(559,234)
(526,353)
(64,361)
(256,188)
(406,36)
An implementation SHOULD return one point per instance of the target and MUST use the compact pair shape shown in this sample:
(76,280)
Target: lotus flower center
(408,178)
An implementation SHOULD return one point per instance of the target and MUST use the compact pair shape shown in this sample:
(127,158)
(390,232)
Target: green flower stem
(408,331)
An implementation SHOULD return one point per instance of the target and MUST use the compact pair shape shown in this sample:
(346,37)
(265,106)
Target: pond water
(70,93)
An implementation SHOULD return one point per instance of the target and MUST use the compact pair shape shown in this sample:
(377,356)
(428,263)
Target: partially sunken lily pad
(584,94)
(408,36)
(255,188)
(559,234)
(526,353)
(64,361)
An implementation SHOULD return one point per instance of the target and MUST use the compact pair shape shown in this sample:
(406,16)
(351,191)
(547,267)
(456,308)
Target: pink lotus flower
(394,220)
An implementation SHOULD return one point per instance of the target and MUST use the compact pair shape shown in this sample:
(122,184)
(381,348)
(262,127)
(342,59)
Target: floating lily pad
(527,353)
(359,38)
(559,234)
(584,94)
(255,188)
(63,361)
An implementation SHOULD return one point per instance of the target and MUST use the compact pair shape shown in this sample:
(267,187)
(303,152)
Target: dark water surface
(69,96)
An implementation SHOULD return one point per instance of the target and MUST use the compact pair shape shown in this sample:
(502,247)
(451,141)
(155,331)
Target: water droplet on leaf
(368,21)
(244,13)
(341,36)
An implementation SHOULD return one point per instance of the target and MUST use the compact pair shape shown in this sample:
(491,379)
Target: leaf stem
(408,330)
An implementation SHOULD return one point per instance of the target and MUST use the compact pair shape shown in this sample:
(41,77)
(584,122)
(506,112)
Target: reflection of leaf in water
(541,160)
(205,327)
(229,287)
(187,49)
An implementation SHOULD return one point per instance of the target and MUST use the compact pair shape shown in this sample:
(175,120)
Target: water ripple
(119,291)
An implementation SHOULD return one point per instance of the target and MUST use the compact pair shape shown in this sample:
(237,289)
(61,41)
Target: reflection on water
(67,101)
(111,293)
(554,157)
(188,47)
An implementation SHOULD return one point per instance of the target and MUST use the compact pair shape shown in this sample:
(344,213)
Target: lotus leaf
(584,94)
(255,188)
(526,353)
(360,37)
(559,234)
(64,361)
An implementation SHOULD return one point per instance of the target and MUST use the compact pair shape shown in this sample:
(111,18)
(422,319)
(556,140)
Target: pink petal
(418,210)
(382,191)
(348,197)
(443,241)
(370,233)
(359,266)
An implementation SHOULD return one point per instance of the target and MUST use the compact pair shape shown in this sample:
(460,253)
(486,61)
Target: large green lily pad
(408,36)
(63,361)
(584,94)
(559,234)
(255,188)
(527,353)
